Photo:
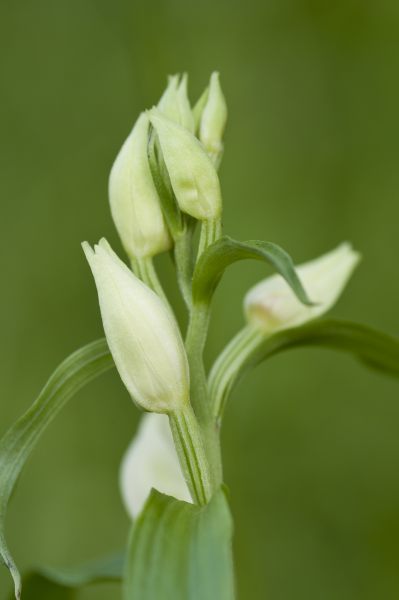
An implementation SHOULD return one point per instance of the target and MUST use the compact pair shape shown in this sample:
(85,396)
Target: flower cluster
(164,180)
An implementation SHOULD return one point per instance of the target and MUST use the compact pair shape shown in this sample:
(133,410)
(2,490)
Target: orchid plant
(163,185)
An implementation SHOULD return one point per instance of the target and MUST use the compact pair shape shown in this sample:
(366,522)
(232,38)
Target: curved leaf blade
(373,348)
(181,551)
(18,442)
(49,583)
(227,251)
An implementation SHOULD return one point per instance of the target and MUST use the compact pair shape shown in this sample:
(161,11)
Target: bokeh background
(311,442)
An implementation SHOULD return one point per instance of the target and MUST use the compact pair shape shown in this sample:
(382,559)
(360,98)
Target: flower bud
(174,103)
(193,177)
(134,201)
(151,462)
(271,305)
(213,120)
(142,334)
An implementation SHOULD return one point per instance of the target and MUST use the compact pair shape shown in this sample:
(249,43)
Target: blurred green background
(311,442)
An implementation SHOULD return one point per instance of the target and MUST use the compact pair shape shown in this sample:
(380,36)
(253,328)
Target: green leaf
(63,584)
(226,251)
(373,348)
(15,447)
(181,551)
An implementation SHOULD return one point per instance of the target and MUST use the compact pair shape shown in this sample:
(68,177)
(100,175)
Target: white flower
(192,175)
(134,201)
(271,305)
(213,120)
(142,334)
(151,462)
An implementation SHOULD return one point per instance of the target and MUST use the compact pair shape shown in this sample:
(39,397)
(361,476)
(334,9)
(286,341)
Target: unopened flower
(151,462)
(213,120)
(192,175)
(134,201)
(142,334)
(174,103)
(271,305)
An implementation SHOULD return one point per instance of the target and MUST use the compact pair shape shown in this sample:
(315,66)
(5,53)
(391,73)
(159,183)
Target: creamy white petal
(134,201)
(142,334)
(271,305)
(151,462)
(213,120)
(192,174)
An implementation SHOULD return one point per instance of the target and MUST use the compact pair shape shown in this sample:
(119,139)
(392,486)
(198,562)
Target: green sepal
(180,551)
(226,251)
(49,583)
(18,442)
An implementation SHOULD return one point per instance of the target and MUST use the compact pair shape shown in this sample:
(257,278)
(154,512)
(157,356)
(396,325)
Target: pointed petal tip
(103,243)
(88,250)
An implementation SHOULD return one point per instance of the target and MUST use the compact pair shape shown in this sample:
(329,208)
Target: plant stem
(190,449)
(183,256)
(195,342)
(210,232)
(144,269)
(225,370)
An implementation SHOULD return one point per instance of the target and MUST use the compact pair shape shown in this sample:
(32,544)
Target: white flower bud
(213,120)
(271,305)
(192,175)
(134,201)
(142,334)
(151,462)
(174,103)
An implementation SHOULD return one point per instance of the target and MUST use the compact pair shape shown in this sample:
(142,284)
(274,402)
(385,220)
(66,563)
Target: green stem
(228,365)
(183,255)
(210,232)
(195,342)
(144,269)
(190,449)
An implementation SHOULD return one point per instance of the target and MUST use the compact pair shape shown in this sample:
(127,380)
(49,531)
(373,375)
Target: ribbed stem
(210,232)
(195,342)
(183,255)
(190,449)
(144,269)
(228,366)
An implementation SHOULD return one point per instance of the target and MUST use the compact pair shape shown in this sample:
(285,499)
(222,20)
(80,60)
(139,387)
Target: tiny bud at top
(134,201)
(174,103)
(142,334)
(271,305)
(151,462)
(193,176)
(213,120)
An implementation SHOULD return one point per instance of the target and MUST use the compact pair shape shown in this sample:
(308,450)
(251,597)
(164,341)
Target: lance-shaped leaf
(181,551)
(373,348)
(227,251)
(17,444)
(48,583)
